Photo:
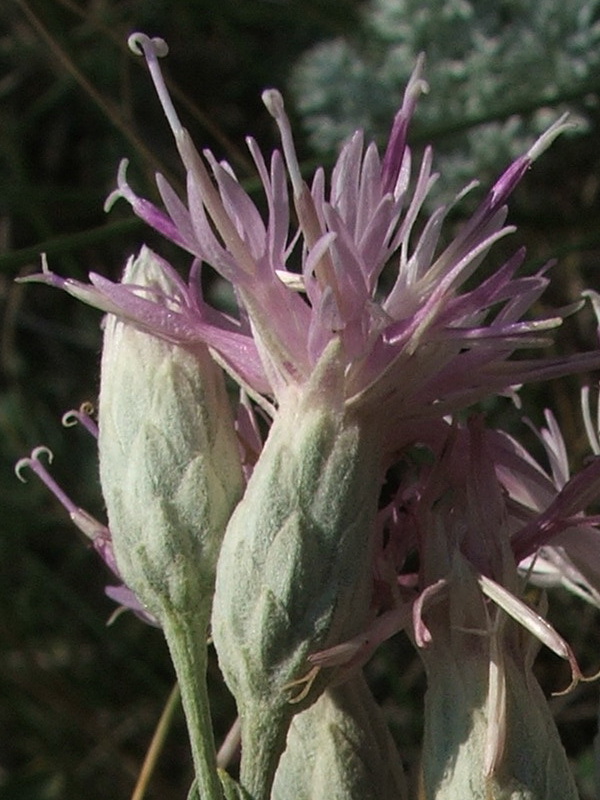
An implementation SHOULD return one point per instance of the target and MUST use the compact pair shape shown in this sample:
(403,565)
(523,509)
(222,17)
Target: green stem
(264,733)
(186,638)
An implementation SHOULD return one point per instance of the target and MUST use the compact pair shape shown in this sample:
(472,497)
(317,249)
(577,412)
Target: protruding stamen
(303,201)
(214,203)
(594,299)
(81,416)
(430,595)
(545,140)
(143,45)
(396,147)
(417,84)
(275,106)
(95,532)
(152,50)
(535,624)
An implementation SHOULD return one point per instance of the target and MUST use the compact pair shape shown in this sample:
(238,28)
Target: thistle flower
(171,475)
(420,351)
(349,374)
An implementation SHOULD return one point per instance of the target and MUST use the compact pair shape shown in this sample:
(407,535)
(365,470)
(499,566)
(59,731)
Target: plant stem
(264,731)
(186,637)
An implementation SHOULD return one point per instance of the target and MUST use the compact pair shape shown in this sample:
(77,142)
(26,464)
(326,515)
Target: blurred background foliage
(500,72)
(79,700)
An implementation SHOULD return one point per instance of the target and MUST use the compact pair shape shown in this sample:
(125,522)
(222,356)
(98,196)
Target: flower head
(421,348)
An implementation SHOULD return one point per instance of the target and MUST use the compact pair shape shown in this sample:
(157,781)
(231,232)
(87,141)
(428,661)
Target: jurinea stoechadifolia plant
(277,524)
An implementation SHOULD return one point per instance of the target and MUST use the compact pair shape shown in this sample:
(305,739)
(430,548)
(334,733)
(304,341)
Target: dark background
(79,700)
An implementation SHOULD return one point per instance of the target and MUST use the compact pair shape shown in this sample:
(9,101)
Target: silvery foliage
(509,63)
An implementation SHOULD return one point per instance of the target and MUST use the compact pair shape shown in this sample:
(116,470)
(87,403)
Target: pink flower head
(420,349)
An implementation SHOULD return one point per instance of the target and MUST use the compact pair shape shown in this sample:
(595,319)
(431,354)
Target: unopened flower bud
(489,733)
(169,462)
(295,571)
(340,747)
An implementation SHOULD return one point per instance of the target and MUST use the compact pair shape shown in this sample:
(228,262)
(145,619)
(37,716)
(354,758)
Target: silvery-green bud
(489,734)
(295,570)
(340,749)
(171,476)
(169,462)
